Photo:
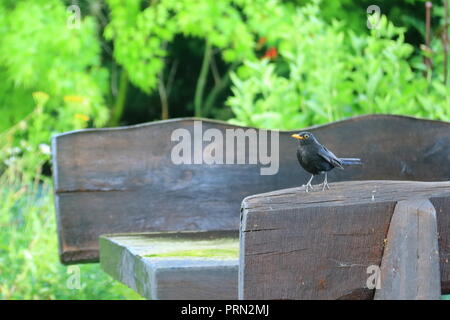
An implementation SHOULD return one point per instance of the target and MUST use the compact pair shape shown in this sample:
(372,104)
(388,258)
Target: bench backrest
(124,180)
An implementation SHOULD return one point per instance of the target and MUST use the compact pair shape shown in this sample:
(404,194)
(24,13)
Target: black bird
(316,159)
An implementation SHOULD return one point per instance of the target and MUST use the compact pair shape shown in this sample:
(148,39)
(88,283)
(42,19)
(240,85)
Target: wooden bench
(326,245)
(123,180)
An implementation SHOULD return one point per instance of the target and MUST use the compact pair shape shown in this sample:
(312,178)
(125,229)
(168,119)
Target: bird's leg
(325,182)
(309,185)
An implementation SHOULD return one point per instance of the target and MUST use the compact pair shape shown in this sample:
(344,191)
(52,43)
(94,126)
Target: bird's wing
(329,156)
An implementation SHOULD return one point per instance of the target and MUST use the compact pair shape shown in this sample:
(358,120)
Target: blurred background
(67,65)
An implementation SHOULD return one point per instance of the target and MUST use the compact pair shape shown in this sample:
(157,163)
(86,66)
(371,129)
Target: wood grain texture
(298,245)
(123,180)
(152,264)
(410,263)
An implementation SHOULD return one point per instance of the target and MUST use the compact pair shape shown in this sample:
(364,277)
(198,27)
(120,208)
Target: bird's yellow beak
(297,136)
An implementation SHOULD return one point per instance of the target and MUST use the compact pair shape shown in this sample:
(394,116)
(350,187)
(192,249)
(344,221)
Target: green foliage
(141,32)
(139,36)
(325,72)
(231,27)
(350,12)
(29,266)
(53,80)
(436,51)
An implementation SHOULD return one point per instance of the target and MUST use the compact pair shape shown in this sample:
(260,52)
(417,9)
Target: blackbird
(316,159)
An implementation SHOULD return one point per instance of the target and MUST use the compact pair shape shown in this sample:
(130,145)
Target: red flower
(271,53)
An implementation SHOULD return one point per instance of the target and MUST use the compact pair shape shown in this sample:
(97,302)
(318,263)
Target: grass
(29,264)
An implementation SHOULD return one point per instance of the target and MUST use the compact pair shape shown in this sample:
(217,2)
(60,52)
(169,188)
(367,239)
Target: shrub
(324,73)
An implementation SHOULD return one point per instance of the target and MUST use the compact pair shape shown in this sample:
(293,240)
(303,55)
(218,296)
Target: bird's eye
(306,136)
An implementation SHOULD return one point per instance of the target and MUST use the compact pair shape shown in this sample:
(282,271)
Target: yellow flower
(73,99)
(40,97)
(82,117)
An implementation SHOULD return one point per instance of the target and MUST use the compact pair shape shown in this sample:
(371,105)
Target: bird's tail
(350,161)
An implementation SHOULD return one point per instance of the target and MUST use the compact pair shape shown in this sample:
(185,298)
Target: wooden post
(410,263)
(323,245)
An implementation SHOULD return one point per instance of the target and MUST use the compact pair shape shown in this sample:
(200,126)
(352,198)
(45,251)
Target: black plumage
(316,158)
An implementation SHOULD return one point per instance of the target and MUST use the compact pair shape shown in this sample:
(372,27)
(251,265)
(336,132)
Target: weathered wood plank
(319,245)
(174,265)
(123,180)
(410,263)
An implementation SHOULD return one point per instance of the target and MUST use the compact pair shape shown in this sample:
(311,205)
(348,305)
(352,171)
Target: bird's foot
(325,183)
(308,187)
(325,186)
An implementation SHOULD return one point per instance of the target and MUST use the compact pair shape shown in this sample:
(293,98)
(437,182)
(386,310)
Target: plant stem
(445,36)
(218,88)
(163,89)
(163,97)
(202,80)
(428,6)
(117,111)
